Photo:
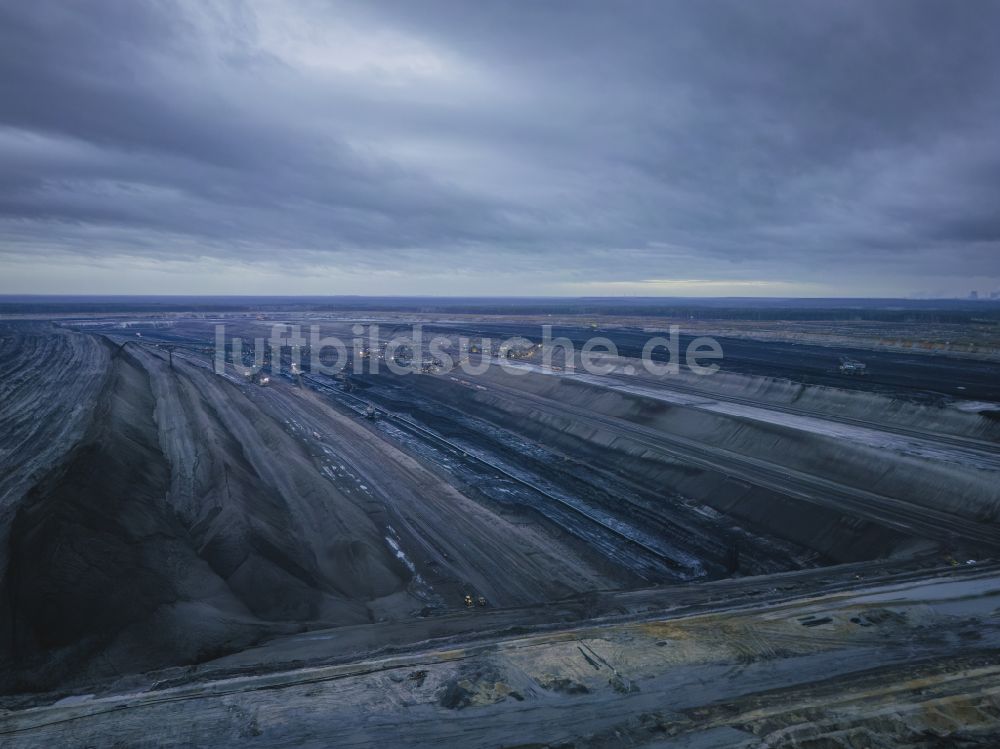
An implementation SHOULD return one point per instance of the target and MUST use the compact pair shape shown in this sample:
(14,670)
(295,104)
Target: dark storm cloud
(594,142)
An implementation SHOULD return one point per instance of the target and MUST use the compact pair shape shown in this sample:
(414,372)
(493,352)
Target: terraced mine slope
(190,518)
(592,560)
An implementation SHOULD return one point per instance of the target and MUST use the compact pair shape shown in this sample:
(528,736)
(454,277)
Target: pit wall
(840,536)
(855,404)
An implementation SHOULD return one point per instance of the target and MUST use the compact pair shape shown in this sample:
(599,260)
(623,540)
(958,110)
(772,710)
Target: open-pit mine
(495,548)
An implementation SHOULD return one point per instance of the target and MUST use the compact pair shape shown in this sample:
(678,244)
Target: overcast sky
(710,148)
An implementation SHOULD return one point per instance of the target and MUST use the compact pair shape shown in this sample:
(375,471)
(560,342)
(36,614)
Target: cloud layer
(779,148)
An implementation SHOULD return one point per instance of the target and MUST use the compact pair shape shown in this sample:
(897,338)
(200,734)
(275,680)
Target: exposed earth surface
(497,548)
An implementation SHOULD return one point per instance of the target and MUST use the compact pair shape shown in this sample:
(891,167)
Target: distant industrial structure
(852,366)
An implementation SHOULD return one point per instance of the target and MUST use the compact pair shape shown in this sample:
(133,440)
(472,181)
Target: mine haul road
(807,666)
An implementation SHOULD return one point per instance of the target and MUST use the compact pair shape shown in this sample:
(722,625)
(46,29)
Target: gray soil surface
(739,560)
